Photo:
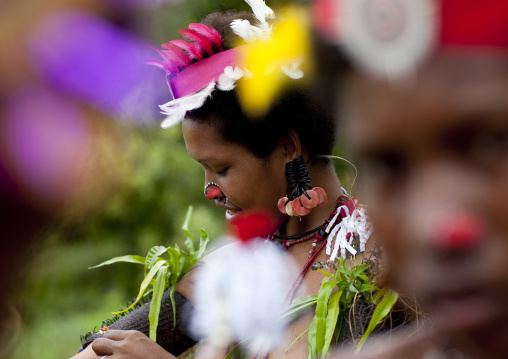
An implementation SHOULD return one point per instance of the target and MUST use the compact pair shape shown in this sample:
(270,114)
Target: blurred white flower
(240,295)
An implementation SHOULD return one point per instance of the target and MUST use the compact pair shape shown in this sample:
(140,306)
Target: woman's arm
(129,344)
(174,341)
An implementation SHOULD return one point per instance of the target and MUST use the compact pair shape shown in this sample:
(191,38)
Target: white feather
(228,79)
(292,70)
(250,33)
(175,110)
(260,10)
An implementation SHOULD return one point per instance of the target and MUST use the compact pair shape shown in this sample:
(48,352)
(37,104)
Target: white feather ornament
(293,70)
(352,223)
(175,110)
(228,79)
(261,11)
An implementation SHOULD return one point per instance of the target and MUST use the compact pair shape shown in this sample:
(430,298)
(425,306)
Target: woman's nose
(212,190)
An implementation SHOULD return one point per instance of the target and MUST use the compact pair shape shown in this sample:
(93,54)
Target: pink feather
(191,48)
(202,41)
(173,58)
(176,54)
(209,32)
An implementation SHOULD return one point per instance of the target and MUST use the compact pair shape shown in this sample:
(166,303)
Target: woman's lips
(231,214)
(231,210)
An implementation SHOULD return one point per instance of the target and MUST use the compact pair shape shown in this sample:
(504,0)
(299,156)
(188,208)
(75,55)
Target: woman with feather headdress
(272,158)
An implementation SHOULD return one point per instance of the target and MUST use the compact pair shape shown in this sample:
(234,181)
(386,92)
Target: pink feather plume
(191,48)
(209,32)
(173,58)
(176,55)
(204,42)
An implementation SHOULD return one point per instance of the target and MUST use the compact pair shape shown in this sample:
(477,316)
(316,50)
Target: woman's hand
(128,344)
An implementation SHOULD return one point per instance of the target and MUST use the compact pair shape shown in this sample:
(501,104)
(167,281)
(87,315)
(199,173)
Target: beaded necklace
(317,235)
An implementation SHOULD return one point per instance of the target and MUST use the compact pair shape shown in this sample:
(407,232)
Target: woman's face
(248,182)
(428,150)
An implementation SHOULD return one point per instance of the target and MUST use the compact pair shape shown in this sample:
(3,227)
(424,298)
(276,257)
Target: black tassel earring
(302,197)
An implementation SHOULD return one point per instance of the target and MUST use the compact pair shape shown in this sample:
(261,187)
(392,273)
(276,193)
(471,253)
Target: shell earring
(302,198)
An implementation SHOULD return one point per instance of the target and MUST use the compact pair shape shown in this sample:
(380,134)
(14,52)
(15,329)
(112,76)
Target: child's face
(427,154)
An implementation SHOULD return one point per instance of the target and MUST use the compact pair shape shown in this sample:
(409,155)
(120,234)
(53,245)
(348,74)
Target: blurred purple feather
(85,56)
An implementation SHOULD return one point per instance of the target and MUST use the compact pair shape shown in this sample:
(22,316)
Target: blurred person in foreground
(427,122)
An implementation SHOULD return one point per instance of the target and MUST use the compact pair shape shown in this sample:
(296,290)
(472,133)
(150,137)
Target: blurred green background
(60,298)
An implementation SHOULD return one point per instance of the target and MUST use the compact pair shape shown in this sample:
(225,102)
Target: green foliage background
(59,297)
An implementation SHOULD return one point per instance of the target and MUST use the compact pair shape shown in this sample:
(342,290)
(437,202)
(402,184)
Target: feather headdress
(197,64)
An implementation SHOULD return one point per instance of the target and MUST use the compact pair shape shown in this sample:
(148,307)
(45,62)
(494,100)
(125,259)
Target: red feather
(190,47)
(202,41)
(209,32)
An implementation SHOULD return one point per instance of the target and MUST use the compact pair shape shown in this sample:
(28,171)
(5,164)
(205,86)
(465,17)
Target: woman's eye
(221,172)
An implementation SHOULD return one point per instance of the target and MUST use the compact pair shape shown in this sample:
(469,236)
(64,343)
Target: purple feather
(209,32)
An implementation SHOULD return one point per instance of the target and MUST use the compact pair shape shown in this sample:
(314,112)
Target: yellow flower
(275,63)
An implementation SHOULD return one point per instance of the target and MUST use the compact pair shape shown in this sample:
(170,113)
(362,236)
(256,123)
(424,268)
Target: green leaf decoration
(203,242)
(236,353)
(381,311)
(166,266)
(297,339)
(311,336)
(321,313)
(331,320)
(298,305)
(185,226)
(350,282)
(144,285)
(189,245)
(122,259)
(155,304)
(153,255)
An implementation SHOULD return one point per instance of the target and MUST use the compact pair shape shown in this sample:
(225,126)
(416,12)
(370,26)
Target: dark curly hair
(295,110)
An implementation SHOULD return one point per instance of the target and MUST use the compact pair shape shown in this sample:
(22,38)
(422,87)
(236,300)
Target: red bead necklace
(318,235)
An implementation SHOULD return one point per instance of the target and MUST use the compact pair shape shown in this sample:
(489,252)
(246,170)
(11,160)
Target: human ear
(292,147)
